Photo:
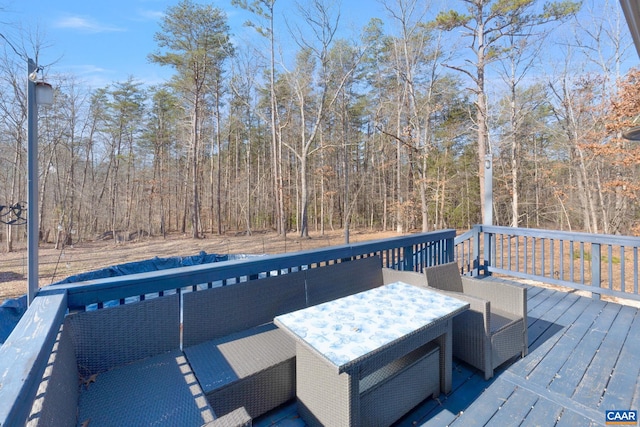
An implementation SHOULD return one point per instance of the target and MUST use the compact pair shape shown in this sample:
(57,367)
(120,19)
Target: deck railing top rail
(402,252)
(599,263)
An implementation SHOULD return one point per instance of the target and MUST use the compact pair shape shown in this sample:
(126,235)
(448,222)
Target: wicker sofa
(494,329)
(240,357)
(224,364)
(123,366)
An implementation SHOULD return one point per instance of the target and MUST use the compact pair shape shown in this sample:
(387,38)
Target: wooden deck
(584,358)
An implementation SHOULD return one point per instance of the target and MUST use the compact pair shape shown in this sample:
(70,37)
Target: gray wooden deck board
(486,405)
(541,347)
(543,413)
(541,322)
(584,358)
(573,370)
(622,387)
(591,388)
(515,408)
(555,359)
(573,419)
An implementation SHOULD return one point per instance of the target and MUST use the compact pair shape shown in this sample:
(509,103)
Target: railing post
(407,259)
(476,252)
(450,250)
(596,270)
(488,239)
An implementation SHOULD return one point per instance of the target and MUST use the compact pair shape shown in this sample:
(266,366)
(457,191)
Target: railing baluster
(526,254)
(552,259)
(610,266)
(571,259)
(533,255)
(517,253)
(635,270)
(596,269)
(622,272)
(561,275)
(582,278)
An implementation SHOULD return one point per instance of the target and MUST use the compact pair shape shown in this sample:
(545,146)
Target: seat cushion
(254,369)
(159,390)
(222,361)
(500,319)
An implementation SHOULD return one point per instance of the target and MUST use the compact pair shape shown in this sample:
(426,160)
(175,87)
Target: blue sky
(103,41)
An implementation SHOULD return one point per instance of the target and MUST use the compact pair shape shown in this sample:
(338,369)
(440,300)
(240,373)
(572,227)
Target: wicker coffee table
(368,358)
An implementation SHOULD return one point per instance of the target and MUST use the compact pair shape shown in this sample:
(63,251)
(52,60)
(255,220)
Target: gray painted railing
(25,354)
(601,264)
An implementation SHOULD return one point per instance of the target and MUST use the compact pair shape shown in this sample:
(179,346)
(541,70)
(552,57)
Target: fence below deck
(600,264)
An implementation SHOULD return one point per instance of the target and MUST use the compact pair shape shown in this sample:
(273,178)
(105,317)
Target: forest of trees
(385,131)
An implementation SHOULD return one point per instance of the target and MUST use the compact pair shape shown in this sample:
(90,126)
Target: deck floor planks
(547,341)
(544,413)
(622,388)
(467,384)
(555,358)
(569,376)
(573,419)
(536,297)
(598,373)
(485,406)
(515,409)
(541,322)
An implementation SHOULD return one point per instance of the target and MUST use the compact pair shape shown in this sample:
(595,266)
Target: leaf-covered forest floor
(56,264)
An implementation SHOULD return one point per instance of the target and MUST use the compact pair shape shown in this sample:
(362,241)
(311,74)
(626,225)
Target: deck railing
(25,354)
(600,264)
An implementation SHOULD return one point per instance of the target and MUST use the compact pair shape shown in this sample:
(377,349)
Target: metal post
(32,185)
(488,210)
(488,190)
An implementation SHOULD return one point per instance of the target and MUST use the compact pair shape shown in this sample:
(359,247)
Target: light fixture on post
(37,93)
(633,133)
(44,93)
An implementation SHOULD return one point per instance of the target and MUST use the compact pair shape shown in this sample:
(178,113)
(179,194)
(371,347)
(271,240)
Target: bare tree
(196,39)
(485,24)
(312,107)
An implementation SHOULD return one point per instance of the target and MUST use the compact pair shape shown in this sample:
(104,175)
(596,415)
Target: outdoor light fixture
(632,134)
(44,93)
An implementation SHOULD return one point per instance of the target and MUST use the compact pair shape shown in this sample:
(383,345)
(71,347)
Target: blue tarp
(12,310)
(145,266)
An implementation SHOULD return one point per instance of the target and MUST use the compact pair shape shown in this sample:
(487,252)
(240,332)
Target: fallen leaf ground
(56,264)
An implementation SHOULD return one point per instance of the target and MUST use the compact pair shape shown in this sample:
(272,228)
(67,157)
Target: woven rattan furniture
(239,356)
(235,364)
(123,366)
(494,329)
(368,358)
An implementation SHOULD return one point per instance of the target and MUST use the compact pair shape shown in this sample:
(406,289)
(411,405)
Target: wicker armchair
(494,329)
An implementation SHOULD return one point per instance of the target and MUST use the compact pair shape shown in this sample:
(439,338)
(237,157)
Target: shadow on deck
(584,358)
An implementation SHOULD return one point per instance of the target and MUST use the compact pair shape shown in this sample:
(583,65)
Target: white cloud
(84,24)
(152,15)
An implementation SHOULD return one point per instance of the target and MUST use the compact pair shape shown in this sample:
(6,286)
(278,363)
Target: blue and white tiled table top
(348,328)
